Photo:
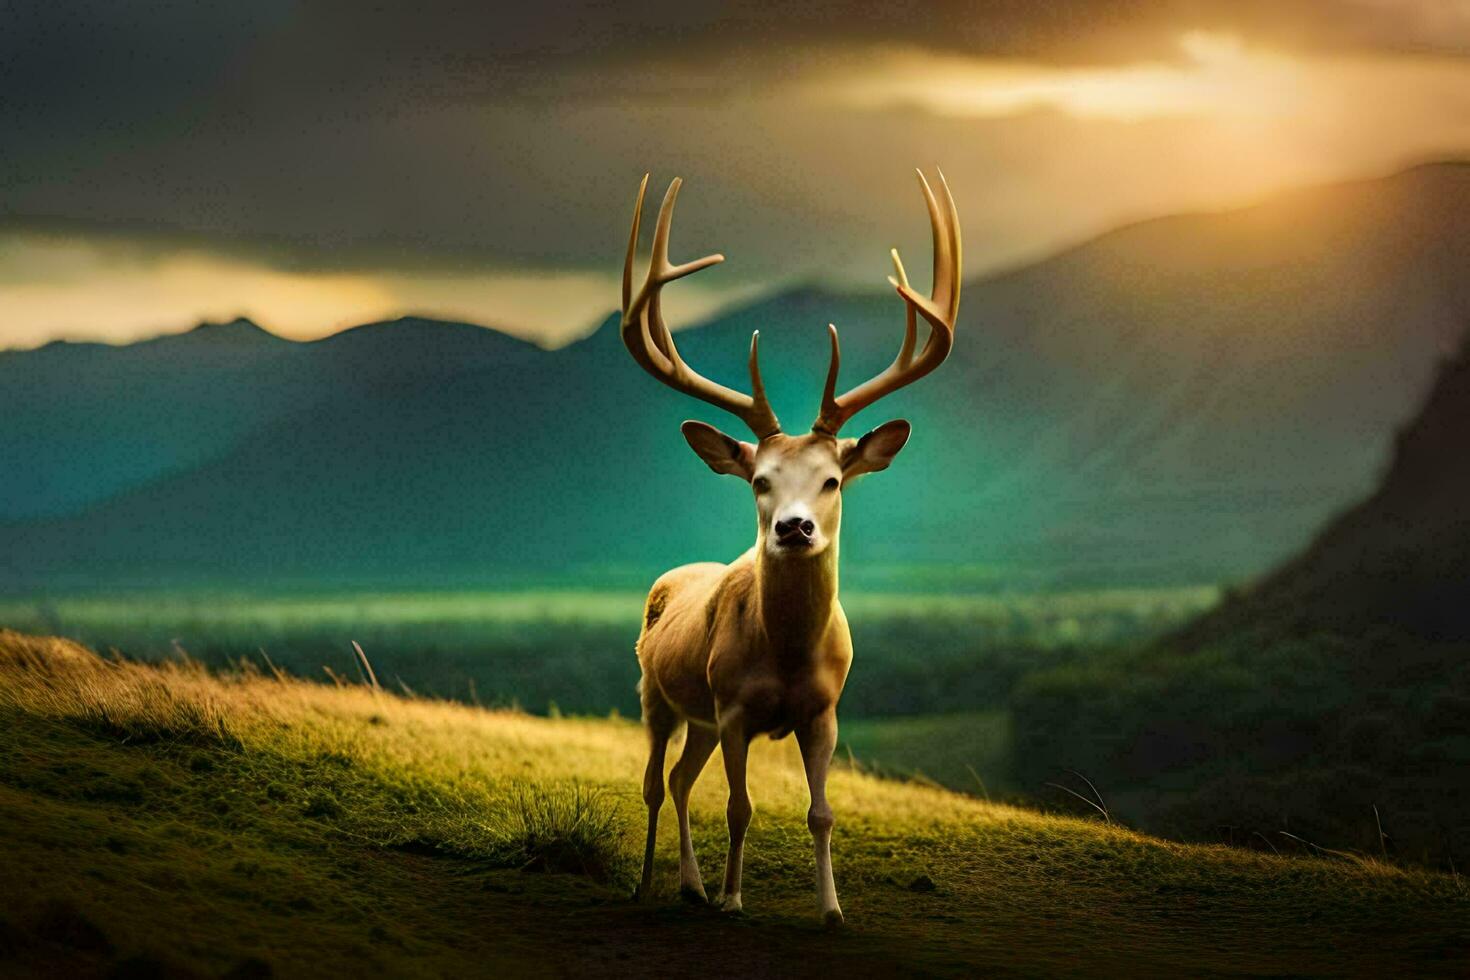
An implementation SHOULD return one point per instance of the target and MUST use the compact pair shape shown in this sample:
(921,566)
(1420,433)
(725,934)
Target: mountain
(1399,560)
(1330,700)
(1185,399)
(84,422)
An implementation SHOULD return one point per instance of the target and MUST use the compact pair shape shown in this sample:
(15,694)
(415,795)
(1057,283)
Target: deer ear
(719,451)
(874,451)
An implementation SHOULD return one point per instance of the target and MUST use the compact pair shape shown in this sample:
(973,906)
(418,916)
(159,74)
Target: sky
(317,165)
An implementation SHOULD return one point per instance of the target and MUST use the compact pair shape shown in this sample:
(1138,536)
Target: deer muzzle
(795,532)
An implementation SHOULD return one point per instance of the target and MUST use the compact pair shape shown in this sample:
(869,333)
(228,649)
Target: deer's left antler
(940,309)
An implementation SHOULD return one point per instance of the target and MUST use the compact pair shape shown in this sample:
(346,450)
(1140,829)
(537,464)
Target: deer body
(717,638)
(721,659)
(761,646)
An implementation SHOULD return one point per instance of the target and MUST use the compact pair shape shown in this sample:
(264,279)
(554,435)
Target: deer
(761,645)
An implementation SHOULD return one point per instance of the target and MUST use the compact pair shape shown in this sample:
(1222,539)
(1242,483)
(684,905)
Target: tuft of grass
(1095,801)
(558,828)
(159,717)
(561,828)
(172,704)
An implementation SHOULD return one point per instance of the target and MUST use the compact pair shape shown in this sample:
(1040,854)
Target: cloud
(1216,75)
(146,68)
(396,158)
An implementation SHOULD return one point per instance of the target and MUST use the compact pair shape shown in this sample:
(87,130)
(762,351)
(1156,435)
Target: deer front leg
(817,740)
(698,744)
(734,745)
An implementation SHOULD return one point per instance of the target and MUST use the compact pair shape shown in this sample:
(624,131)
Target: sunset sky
(316,165)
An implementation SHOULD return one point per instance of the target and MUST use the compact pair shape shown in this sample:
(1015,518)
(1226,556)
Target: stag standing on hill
(761,645)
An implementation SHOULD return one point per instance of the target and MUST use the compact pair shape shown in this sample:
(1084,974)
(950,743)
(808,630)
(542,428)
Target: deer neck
(796,597)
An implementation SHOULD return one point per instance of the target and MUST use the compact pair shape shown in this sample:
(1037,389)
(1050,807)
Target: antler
(940,309)
(651,343)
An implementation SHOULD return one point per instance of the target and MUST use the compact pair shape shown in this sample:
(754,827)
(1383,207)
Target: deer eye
(830,485)
(761,484)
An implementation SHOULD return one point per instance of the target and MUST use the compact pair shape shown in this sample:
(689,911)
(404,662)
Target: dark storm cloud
(58,51)
(159,67)
(86,58)
(325,134)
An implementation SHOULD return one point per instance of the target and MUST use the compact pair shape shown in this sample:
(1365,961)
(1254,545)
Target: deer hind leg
(817,741)
(698,744)
(661,722)
(734,745)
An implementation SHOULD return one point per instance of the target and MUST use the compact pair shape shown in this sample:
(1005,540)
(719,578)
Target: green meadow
(1037,618)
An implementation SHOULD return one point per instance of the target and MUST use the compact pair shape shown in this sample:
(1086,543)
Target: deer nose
(795,525)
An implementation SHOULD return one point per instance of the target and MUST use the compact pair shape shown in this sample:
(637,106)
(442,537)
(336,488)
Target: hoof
(730,904)
(833,920)
(692,895)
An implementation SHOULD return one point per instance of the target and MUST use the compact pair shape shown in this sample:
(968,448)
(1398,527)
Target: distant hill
(1330,701)
(1400,560)
(78,422)
(82,422)
(1184,399)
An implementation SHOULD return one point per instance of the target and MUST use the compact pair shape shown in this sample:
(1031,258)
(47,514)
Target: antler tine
(757,385)
(957,251)
(651,342)
(829,390)
(633,244)
(910,324)
(940,310)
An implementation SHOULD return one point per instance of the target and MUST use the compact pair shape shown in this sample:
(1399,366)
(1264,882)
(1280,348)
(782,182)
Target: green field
(970,752)
(916,653)
(167,821)
(1041,618)
(928,696)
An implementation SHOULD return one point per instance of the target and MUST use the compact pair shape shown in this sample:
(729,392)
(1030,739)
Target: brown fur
(756,647)
(761,646)
(706,650)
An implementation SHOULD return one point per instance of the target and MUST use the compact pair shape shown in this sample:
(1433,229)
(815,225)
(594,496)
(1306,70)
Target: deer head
(797,479)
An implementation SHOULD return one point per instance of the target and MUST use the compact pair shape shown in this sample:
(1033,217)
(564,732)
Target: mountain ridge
(1435,168)
(1334,687)
(1399,559)
(1181,401)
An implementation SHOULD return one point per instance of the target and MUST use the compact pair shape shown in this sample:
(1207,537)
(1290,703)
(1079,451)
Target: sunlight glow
(1216,73)
(54,287)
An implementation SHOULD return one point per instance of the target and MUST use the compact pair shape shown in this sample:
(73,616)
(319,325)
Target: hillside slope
(84,422)
(163,821)
(1182,400)
(1400,560)
(1333,695)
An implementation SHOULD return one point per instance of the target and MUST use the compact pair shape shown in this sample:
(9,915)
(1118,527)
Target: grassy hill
(163,820)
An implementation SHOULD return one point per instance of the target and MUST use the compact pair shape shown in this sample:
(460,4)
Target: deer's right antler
(651,343)
(940,309)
